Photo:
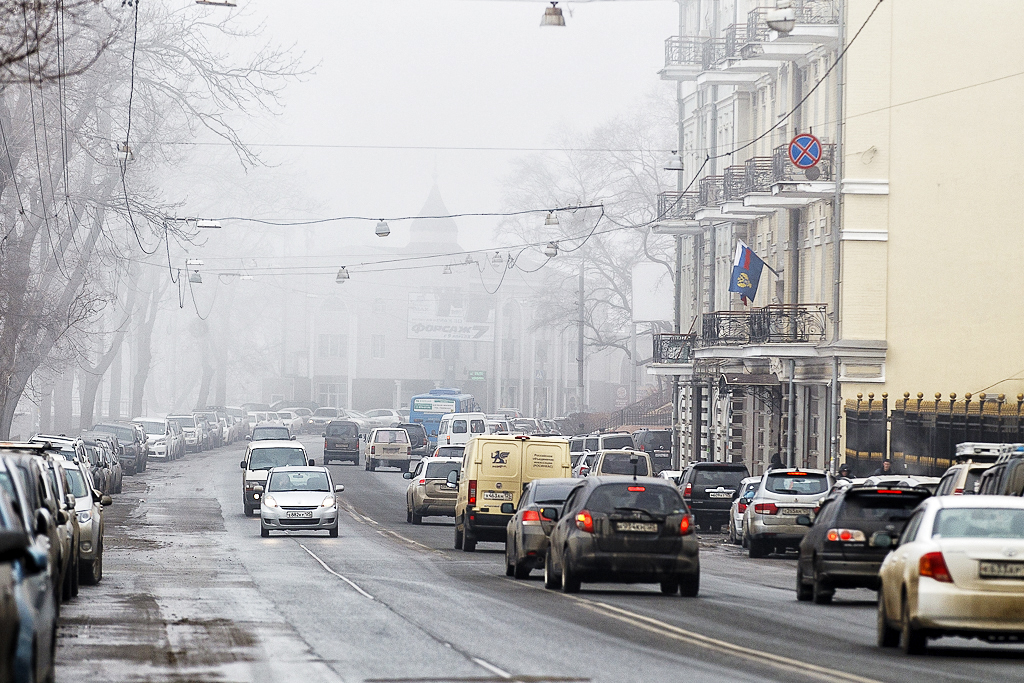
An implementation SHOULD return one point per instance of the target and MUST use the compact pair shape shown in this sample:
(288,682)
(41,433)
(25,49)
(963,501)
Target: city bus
(428,408)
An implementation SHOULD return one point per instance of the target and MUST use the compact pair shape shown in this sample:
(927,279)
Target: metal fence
(670,347)
(652,411)
(774,324)
(866,434)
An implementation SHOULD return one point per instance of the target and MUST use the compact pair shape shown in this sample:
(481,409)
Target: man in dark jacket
(886,468)
(776,462)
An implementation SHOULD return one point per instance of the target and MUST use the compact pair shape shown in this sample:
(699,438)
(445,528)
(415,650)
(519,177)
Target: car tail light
(636,488)
(408,450)
(325,443)
(472,491)
(688,490)
(373,450)
(531,518)
(741,507)
(958,492)
(846,535)
(423,481)
(686,525)
(766,508)
(584,522)
(643,448)
(934,565)
(816,509)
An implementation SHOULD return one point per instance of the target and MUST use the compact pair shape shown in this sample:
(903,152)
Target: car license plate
(645,527)
(718,494)
(1001,570)
(497,495)
(794,511)
(299,514)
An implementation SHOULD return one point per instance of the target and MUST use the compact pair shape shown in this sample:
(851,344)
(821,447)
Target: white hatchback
(958,570)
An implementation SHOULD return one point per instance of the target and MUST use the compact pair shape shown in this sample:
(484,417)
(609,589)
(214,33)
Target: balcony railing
(674,348)
(817,12)
(757,25)
(784,171)
(684,50)
(712,190)
(735,39)
(775,324)
(759,174)
(677,205)
(734,182)
(712,52)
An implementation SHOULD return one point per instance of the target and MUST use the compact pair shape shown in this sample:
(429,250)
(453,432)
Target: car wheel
(468,542)
(912,640)
(887,635)
(355,461)
(327,461)
(822,592)
(408,515)
(669,587)
(570,584)
(66,588)
(76,578)
(264,531)
(458,537)
(756,548)
(732,533)
(522,571)
(248,510)
(804,593)
(689,585)
(333,533)
(417,519)
(510,569)
(551,580)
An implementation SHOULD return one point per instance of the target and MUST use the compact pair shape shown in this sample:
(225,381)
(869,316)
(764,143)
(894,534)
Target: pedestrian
(776,462)
(845,472)
(886,468)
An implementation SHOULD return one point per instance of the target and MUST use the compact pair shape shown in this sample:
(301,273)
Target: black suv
(708,489)
(417,438)
(851,535)
(1005,478)
(341,441)
(656,443)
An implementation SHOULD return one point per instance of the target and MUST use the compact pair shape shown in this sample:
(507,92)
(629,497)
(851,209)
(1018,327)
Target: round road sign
(804,150)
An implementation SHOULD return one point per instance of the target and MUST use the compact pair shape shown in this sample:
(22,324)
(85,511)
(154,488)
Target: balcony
(758,175)
(674,348)
(734,183)
(775,324)
(712,52)
(784,171)
(678,206)
(735,39)
(816,22)
(684,58)
(711,190)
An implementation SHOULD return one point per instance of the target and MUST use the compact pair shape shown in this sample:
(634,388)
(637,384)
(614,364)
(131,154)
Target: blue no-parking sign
(804,150)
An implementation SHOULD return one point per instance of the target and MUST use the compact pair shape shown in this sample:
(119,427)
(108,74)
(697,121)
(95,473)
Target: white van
(456,429)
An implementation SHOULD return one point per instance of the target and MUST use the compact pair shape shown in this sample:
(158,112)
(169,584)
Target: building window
(333,345)
(431,349)
(380,306)
(331,395)
(377,346)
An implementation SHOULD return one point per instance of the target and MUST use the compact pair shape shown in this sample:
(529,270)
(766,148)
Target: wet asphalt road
(192,593)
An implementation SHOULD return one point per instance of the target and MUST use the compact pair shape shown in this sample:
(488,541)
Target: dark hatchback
(624,530)
(708,488)
(526,537)
(341,441)
(851,535)
(417,438)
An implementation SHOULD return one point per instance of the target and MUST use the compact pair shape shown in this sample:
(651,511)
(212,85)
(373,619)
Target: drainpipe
(837,171)
(791,420)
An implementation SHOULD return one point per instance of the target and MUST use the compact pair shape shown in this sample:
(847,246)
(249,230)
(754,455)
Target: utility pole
(579,340)
(677,321)
(837,214)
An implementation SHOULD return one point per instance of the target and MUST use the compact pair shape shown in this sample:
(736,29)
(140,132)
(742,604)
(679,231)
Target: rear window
(576,446)
(719,476)
(658,500)
(263,433)
(342,430)
(879,507)
(391,436)
(973,477)
(440,470)
(553,491)
(618,463)
(450,452)
(477,427)
(265,458)
(797,483)
(979,523)
(617,442)
(591,445)
(656,441)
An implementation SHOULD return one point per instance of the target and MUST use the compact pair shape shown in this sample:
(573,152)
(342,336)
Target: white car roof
(1015,502)
(275,443)
(300,468)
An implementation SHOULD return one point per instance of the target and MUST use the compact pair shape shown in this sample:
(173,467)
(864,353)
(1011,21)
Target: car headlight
(327,502)
(269,501)
(84,516)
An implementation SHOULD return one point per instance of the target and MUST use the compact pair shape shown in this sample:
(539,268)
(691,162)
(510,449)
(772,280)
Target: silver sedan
(299,499)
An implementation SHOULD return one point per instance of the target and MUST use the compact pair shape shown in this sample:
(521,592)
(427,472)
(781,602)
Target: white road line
(490,667)
(334,573)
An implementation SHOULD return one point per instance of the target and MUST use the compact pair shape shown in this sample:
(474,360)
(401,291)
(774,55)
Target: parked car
(300,498)
(190,429)
(69,530)
(212,428)
(428,494)
(290,420)
(140,437)
(270,432)
(385,417)
(132,452)
(782,496)
(321,416)
(89,504)
(738,509)
(1005,478)
(163,443)
(526,536)
(961,479)
(417,438)
(624,530)
(99,469)
(622,462)
(851,535)
(261,456)
(955,571)
(300,419)
(388,448)
(113,464)
(341,441)
(658,444)
(242,418)
(709,488)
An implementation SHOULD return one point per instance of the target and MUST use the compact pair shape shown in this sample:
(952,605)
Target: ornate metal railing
(734,182)
(712,190)
(784,170)
(735,39)
(677,205)
(680,50)
(757,25)
(775,324)
(674,348)
(817,12)
(712,52)
(759,175)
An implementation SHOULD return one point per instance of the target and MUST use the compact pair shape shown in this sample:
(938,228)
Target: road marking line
(334,573)
(490,667)
(721,646)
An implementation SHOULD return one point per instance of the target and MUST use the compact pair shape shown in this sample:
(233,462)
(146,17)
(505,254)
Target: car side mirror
(507,508)
(324,435)
(804,520)
(311,463)
(339,488)
(96,495)
(452,481)
(62,517)
(35,560)
(406,475)
(69,501)
(242,464)
(106,500)
(42,522)
(248,437)
(549,513)
(293,437)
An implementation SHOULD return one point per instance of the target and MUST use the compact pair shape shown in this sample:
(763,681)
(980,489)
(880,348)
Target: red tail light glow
(472,491)
(636,488)
(584,522)
(373,449)
(531,518)
(958,492)
(766,508)
(325,444)
(934,565)
(423,481)
(688,490)
(741,507)
(686,525)
(846,535)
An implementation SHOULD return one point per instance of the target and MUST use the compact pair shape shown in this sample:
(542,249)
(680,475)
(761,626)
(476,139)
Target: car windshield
(797,483)
(618,463)
(881,507)
(440,470)
(979,523)
(123,433)
(450,451)
(714,477)
(75,479)
(184,421)
(298,481)
(657,441)
(151,426)
(343,430)
(265,458)
(94,455)
(326,412)
(264,433)
(553,491)
(659,500)
(613,442)
(391,436)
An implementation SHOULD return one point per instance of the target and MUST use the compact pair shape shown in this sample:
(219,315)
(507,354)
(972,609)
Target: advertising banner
(450,316)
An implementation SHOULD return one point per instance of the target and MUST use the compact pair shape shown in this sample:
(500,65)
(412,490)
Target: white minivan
(456,429)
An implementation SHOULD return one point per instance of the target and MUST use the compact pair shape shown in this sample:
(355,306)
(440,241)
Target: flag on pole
(746,272)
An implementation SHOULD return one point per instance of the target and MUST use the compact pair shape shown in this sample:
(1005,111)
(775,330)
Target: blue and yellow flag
(746,272)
